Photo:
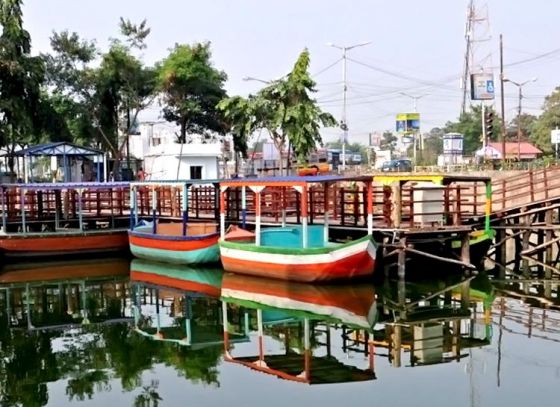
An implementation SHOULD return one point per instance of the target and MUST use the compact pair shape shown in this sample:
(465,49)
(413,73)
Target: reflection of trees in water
(90,359)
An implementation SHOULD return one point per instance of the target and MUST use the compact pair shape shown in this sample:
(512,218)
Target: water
(99,334)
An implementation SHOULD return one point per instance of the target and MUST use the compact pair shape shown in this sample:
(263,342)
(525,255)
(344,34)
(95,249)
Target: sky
(417,47)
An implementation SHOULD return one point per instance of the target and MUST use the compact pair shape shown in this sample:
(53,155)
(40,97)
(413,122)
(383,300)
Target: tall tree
(192,89)
(286,109)
(240,121)
(21,77)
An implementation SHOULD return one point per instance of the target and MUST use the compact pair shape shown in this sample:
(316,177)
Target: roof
(175,183)
(523,148)
(440,179)
(68,185)
(62,148)
(292,180)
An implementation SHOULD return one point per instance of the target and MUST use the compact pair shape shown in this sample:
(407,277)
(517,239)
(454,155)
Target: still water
(115,333)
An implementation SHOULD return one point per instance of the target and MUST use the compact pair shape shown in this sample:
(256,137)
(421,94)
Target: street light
(520,87)
(250,78)
(344,124)
(415,98)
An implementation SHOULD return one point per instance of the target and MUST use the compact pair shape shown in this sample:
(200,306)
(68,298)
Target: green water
(462,342)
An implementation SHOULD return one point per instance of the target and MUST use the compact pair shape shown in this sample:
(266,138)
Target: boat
(67,219)
(173,242)
(187,304)
(297,314)
(294,252)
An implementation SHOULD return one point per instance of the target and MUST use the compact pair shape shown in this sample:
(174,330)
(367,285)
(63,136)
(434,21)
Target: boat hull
(196,249)
(348,261)
(63,243)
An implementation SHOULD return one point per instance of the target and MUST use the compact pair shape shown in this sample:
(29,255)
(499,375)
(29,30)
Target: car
(401,165)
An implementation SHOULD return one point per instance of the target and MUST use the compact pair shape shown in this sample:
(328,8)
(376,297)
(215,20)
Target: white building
(164,159)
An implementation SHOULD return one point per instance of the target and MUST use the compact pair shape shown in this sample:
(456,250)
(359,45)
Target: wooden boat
(294,252)
(63,243)
(176,242)
(197,246)
(295,311)
(279,257)
(45,220)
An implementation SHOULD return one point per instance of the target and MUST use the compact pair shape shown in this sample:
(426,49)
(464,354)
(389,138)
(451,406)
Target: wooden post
(466,248)
(342,209)
(326,209)
(258,218)
(154,210)
(304,213)
(22,208)
(501,250)
(488,208)
(284,205)
(369,199)
(185,207)
(402,259)
(4,210)
(222,192)
(80,210)
(397,204)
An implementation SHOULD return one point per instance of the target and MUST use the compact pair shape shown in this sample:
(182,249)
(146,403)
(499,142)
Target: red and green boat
(294,252)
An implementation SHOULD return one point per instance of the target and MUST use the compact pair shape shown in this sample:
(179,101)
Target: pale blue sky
(419,40)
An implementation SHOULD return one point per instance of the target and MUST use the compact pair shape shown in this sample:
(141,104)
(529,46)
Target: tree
(547,121)
(470,126)
(527,122)
(240,121)
(21,77)
(192,89)
(99,104)
(285,109)
(388,141)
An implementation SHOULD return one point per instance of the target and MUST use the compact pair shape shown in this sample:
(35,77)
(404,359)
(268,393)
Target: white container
(428,203)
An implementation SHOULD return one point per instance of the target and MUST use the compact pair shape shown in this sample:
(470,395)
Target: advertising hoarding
(408,123)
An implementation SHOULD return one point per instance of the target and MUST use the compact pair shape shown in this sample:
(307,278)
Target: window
(196,172)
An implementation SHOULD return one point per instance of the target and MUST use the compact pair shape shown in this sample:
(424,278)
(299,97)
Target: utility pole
(468,54)
(344,124)
(502,101)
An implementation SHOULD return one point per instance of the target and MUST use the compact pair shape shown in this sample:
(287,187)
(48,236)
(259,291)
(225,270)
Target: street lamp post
(520,88)
(344,124)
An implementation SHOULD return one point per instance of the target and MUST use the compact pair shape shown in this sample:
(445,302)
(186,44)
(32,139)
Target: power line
(325,69)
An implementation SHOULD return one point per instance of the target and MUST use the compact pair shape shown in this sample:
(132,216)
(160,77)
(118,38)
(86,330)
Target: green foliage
(547,121)
(21,77)
(240,119)
(388,141)
(470,126)
(192,89)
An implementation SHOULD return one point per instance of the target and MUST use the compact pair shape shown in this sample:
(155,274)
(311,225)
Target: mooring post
(402,259)
(501,249)
(466,248)
(397,202)
(525,243)
(548,256)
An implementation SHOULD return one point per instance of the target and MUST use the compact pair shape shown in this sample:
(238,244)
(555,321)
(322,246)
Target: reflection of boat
(200,280)
(178,304)
(296,313)
(294,252)
(14,274)
(353,305)
(57,295)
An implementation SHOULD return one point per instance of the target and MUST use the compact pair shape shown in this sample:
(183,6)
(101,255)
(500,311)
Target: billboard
(453,144)
(482,86)
(408,123)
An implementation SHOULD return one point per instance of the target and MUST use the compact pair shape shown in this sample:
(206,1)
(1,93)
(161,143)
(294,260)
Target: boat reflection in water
(61,294)
(298,319)
(178,304)
(433,322)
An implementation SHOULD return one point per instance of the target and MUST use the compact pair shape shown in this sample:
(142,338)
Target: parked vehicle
(401,165)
